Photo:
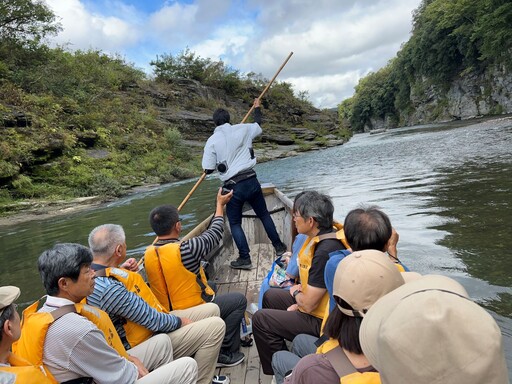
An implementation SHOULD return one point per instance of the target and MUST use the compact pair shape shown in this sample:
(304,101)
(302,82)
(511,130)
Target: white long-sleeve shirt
(231,144)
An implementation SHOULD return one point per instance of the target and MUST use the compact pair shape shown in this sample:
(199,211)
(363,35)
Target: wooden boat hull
(280,209)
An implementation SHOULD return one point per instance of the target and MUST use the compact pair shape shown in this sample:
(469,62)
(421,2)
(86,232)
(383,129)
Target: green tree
(188,65)
(26,20)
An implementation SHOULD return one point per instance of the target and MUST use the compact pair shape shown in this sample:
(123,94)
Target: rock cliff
(188,105)
(468,96)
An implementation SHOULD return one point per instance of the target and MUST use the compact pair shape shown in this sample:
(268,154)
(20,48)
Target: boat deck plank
(248,283)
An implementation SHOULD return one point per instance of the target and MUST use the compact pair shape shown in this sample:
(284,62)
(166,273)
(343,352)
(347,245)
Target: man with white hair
(138,315)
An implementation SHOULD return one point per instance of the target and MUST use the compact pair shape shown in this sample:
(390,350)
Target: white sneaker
(220,379)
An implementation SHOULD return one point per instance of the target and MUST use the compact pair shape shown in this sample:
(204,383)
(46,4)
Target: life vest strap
(165,281)
(64,310)
(330,235)
(340,362)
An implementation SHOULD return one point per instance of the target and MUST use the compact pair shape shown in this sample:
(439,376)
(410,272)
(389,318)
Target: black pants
(273,324)
(232,308)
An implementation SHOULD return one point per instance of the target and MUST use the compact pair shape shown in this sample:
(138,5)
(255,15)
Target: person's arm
(308,300)
(193,250)
(117,300)
(293,268)
(316,287)
(130,264)
(93,357)
(257,112)
(209,161)
(141,369)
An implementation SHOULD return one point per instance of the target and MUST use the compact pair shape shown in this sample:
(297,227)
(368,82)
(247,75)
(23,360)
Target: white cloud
(227,43)
(173,18)
(84,30)
(344,42)
(324,90)
(335,42)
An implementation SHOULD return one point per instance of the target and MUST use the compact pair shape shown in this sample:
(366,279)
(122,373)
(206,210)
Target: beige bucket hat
(428,331)
(363,277)
(8,294)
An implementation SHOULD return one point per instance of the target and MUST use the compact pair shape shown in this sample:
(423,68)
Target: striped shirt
(193,250)
(112,296)
(74,347)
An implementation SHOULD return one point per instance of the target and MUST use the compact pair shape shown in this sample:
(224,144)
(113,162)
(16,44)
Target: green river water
(446,187)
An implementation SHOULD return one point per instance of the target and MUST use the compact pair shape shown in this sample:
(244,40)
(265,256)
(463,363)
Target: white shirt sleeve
(209,156)
(255,130)
(93,357)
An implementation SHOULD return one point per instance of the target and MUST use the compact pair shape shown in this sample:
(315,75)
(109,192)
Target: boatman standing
(229,152)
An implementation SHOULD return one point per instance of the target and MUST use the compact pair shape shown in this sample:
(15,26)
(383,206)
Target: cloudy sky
(335,42)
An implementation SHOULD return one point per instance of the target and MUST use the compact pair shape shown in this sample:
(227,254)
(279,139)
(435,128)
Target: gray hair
(63,260)
(316,205)
(104,239)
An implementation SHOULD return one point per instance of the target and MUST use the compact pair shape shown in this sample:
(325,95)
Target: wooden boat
(248,281)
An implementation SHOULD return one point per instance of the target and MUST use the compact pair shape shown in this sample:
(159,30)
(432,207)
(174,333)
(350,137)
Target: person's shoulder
(311,363)
(106,287)
(331,245)
(334,260)
(73,326)
(107,282)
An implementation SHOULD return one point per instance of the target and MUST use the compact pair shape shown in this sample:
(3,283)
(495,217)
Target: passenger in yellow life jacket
(137,314)
(178,280)
(286,314)
(361,279)
(366,227)
(13,368)
(72,347)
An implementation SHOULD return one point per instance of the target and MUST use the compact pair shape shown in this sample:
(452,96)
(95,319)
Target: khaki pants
(156,354)
(202,339)
(183,370)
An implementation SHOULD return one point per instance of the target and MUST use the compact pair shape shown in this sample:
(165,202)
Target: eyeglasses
(15,306)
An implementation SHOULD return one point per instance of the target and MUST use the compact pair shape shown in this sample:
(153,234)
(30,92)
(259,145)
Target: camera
(225,191)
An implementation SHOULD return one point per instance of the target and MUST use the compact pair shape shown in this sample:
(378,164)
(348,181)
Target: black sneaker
(241,264)
(229,359)
(280,249)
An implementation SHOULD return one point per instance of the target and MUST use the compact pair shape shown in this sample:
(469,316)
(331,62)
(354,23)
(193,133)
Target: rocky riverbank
(28,210)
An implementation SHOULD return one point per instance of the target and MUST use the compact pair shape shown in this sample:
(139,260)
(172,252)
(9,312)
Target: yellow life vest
(175,286)
(305,260)
(133,282)
(341,364)
(27,373)
(327,345)
(34,327)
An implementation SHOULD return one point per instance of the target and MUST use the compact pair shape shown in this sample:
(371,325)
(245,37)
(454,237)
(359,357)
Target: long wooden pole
(192,191)
(196,185)
(268,86)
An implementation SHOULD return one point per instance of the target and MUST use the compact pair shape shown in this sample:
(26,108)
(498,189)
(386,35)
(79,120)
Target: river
(446,187)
